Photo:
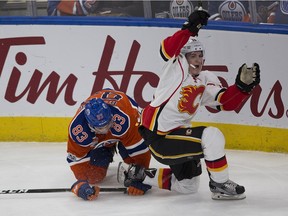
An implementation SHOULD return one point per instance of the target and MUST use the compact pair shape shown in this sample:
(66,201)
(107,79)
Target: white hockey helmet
(193,45)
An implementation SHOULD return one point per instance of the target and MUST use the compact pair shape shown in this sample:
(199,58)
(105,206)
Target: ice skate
(132,172)
(228,190)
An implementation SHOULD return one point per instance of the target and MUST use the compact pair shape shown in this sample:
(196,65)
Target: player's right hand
(196,21)
(102,156)
(83,190)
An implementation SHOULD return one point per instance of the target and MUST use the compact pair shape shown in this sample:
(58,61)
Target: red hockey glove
(82,189)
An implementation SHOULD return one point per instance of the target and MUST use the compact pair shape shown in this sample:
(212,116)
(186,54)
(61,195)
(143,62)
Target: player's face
(195,61)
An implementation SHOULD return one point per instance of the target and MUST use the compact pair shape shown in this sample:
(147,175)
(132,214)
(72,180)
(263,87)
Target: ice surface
(43,165)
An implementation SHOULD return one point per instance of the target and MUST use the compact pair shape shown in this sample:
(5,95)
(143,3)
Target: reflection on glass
(261,11)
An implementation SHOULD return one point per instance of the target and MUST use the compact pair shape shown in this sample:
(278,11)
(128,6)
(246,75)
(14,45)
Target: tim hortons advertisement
(49,70)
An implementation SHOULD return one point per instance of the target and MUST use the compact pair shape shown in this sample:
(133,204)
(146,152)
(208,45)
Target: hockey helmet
(193,45)
(97,113)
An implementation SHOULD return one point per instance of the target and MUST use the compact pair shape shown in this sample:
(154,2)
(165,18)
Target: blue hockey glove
(102,157)
(82,189)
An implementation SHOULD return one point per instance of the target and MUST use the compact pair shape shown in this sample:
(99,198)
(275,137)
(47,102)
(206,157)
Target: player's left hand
(134,178)
(248,78)
(83,190)
(137,188)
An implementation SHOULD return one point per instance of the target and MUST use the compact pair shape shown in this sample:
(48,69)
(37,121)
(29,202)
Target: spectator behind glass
(265,11)
(175,9)
(95,8)
(280,14)
(230,10)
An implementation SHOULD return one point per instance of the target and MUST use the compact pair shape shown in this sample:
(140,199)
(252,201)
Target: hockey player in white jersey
(166,121)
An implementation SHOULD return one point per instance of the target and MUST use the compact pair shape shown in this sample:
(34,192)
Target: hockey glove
(248,78)
(196,21)
(82,189)
(133,176)
(137,188)
(102,157)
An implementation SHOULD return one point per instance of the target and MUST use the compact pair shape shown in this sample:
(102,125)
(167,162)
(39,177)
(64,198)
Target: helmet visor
(102,130)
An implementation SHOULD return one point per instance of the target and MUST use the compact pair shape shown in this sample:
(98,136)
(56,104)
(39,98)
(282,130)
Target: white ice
(43,165)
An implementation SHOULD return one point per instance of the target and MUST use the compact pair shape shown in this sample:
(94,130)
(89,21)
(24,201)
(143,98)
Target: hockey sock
(162,179)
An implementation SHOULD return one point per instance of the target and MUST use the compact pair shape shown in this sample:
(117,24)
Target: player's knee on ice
(185,186)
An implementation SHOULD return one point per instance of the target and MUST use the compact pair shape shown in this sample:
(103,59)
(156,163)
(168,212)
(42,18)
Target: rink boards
(48,66)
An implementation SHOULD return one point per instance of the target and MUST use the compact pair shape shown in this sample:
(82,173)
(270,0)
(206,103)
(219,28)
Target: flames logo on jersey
(191,96)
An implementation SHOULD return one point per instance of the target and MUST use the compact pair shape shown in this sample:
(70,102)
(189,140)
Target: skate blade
(221,196)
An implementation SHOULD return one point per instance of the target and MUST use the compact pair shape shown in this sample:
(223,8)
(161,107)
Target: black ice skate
(228,190)
(132,172)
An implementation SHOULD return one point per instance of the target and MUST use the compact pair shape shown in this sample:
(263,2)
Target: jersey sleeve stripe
(163,53)
(137,149)
(135,145)
(138,152)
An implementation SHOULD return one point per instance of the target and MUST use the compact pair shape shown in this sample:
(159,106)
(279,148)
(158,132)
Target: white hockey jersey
(179,96)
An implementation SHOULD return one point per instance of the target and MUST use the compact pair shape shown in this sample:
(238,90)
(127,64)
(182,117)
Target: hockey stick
(57,190)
